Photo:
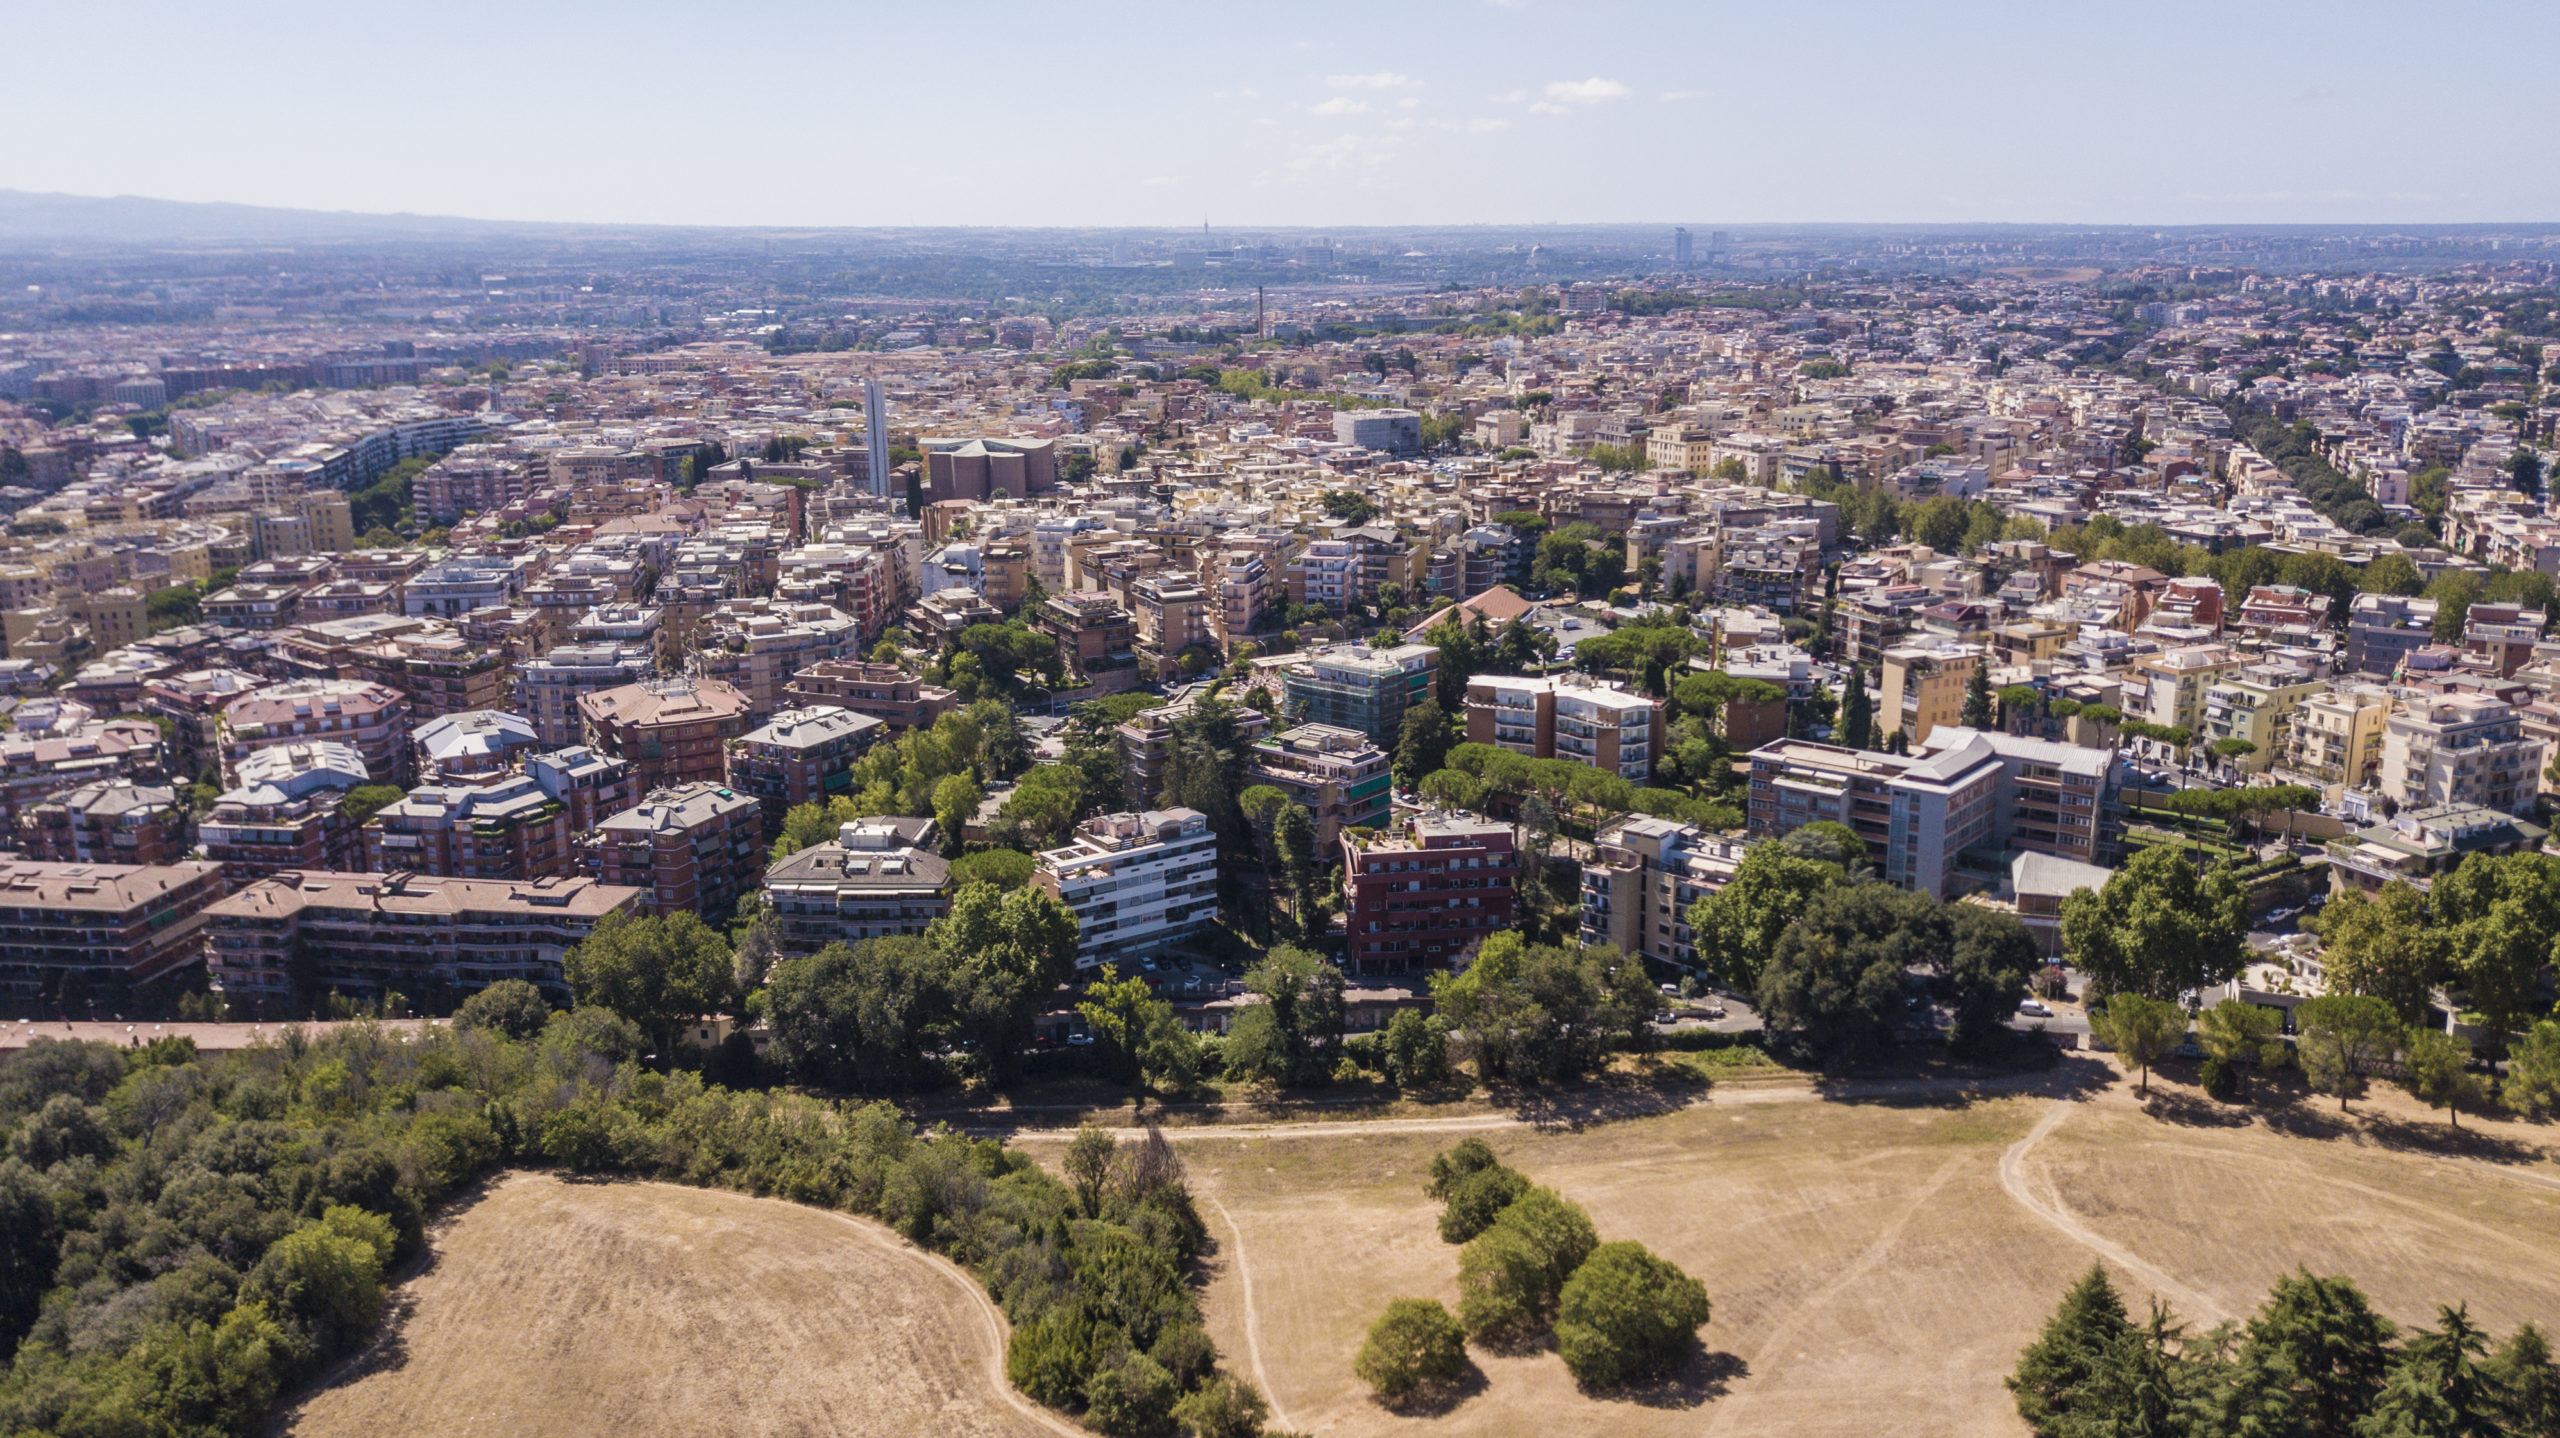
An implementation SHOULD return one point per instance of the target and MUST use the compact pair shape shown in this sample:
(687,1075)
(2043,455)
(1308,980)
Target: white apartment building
(1135,881)
(2460,749)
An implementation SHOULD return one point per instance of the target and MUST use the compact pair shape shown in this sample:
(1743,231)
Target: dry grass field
(1875,1265)
(629,1310)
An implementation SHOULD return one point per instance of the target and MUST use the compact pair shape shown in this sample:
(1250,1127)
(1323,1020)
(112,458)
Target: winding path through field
(2013,1178)
(1252,1330)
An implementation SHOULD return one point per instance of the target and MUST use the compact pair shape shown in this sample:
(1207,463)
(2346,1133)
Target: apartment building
(1598,725)
(2169,687)
(2503,635)
(367,934)
(504,829)
(193,702)
(1924,687)
(1096,637)
(591,786)
(1644,875)
(1173,615)
(2334,739)
(882,691)
(757,645)
(1426,897)
(548,689)
(70,928)
(371,718)
(1341,779)
(800,756)
(1241,591)
(1147,738)
(2383,628)
(1136,881)
(1353,686)
(1920,814)
(287,810)
(673,731)
(879,878)
(2459,751)
(473,745)
(2416,846)
(2255,706)
(113,821)
(690,847)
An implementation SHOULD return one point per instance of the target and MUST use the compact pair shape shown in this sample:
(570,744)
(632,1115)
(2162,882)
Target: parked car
(2034,1008)
(2283,916)
(1665,1016)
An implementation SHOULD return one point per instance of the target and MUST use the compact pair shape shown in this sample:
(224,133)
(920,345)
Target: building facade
(1425,897)
(1136,881)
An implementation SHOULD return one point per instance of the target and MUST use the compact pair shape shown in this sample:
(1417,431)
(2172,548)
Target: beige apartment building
(1609,729)
(2256,706)
(2334,739)
(1924,687)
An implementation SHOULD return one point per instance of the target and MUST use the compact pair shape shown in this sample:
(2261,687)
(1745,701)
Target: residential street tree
(1423,744)
(2234,1031)
(2158,929)
(1857,726)
(2440,1072)
(2342,1037)
(2533,1071)
(660,972)
(2382,947)
(1527,1013)
(1736,927)
(2142,1031)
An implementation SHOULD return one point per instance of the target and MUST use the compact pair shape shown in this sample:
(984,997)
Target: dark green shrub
(1476,1200)
(1626,1315)
(1414,1349)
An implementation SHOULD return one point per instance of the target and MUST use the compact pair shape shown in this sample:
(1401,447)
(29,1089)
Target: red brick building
(1420,899)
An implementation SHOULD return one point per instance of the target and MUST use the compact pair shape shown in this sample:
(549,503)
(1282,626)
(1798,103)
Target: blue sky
(1497,111)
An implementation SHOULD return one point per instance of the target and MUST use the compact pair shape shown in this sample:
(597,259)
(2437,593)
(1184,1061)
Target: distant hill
(134,220)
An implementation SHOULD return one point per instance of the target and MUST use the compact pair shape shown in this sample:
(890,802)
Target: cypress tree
(1857,712)
(1977,698)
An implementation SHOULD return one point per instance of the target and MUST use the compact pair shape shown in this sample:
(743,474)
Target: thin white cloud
(1675,96)
(1486,125)
(1379,80)
(1335,154)
(1586,92)
(1543,108)
(1161,182)
(1511,97)
(1341,105)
